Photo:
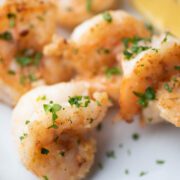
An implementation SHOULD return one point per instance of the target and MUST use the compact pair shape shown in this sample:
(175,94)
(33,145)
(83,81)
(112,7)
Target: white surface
(155,142)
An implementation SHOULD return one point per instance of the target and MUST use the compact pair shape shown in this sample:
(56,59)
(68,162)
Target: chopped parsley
(24,61)
(99,127)
(53,109)
(103,51)
(167,87)
(142,173)
(41,98)
(23,136)
(11,72)
(88,5)
(177,68)
(126,171)
(27,122)
(144,98)
(100,165)
(112,71)
(107,17)
(44,151)
(7,36)
(150,28)
(135,136)
(12,18)
(26,58)
(166,37)
(110,154)
(160,162)
(79,101)
(62,153)
(45,178)
(132,46)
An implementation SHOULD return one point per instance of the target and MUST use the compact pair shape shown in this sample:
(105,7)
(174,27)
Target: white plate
(156,142)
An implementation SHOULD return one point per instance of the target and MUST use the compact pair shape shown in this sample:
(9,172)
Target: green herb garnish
(11,72)
(7,36)
(44,151)
(100,165)
(62,153)
(79,101)
(135,136)
(132,47)
(41,98)
(12,18)
(160,162)
(89,5)
(142,173)
(107,17)
(45,178)
(177,68)
(27,122)
(143,99)
(126,171)
(110,154)
(23,136)
(167,87)
(112,71)
(99,127)
(53,109)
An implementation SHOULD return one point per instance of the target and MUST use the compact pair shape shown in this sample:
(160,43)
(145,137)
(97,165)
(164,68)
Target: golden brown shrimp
(74,12)
(97,39)
(167,104)
(52,127)
(25,27)
(145,71)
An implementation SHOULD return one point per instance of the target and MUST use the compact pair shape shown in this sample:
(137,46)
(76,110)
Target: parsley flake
(177,68)
(142,173)
(143,99)
(135,136)
(7,36)
(23,136)
(45,178)
(112,71)
(107,17)
(44,151)
(12,18)
(110,154)
(79,101)
(53,109)
(88,5)
(167,87)
(160,162)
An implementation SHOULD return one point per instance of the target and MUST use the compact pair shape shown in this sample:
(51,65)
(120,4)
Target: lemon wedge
(164,14)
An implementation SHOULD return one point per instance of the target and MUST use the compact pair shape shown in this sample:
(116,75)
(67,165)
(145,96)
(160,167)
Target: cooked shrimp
(25,27)
(74,12)
(52,128)
(144,72)
(97,39)
(167,104)
(93,45)
(169,101)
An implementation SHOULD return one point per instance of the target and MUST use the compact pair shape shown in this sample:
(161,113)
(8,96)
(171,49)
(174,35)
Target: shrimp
(25,27)
(53,127)
(168,101)
(97,39)
(156,62)
(166,106)
(93,46)
(81,10)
